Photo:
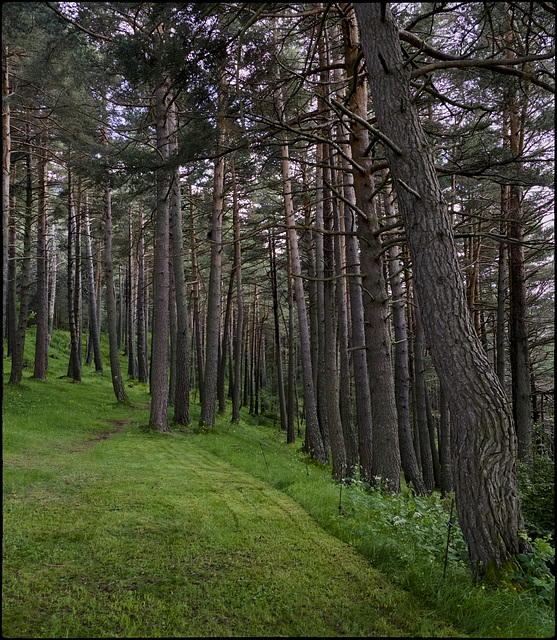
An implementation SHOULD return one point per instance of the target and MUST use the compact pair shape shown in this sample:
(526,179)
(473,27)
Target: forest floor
(112,530)
(121,533)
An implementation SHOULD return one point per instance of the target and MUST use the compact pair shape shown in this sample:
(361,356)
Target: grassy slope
(139,534)
(146,535)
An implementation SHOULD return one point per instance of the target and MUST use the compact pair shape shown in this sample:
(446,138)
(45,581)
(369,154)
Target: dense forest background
(338,216)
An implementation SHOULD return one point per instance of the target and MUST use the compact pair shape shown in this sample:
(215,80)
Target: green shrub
(535,575)
(536,484)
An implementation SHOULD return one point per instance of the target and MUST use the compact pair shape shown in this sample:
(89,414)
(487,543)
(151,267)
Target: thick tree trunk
(353,268)
(484,443)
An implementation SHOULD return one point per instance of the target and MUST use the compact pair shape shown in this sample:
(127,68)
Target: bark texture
(484,444)
(158,418)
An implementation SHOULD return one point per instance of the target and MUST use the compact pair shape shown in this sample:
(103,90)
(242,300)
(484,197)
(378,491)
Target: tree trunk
(161,294)
(501,337)
(6,160)
(16,373)
(93,326)
(111,312)
(198,343)
(345,400)
(74,365)
(182,392)
(132,304)
(315,441)
(52,274)
(221,386)
(386,453)
(446,481)
(142,352)
(402,373)
(483,440)
(212,339)
(239,304)
(11,308)
(41,338)
(420,409)
(291,392)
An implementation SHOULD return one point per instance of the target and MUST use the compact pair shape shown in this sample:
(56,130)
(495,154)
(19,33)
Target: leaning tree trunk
(484,444)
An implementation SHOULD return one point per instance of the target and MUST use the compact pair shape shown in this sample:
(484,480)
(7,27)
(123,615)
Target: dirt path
(83,445)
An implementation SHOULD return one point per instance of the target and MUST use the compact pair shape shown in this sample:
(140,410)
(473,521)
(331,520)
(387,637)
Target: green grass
(114,531)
